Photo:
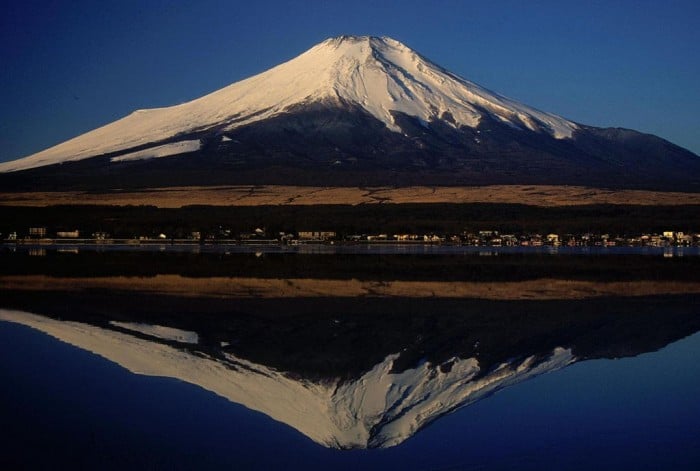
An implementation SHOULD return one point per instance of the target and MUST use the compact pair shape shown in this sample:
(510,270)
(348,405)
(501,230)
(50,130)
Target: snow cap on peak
(335,40)
(350,40)
(386,77)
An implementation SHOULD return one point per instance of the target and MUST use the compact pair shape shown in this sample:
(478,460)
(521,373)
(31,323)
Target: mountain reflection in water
(345,376)
(353,351)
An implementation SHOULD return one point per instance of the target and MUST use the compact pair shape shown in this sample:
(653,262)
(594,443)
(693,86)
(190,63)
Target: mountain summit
(354,106)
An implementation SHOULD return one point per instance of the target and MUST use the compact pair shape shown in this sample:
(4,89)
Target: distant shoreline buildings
(482,238)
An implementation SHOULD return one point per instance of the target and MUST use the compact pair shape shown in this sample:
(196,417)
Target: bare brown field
(242,287)
(176,197)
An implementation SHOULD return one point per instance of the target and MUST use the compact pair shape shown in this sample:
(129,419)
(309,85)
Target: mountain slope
(356,110)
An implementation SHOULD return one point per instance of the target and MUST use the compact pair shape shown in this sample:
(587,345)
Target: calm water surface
(67,407)
(168,361)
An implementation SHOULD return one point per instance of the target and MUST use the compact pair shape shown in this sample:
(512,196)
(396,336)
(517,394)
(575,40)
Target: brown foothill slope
(245,195)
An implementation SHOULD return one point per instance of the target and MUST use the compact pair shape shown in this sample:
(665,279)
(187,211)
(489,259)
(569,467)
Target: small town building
(37,232)
(553,239)
(317,235)
(68,234)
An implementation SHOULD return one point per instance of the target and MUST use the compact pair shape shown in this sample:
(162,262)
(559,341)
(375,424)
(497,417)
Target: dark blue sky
(69,67)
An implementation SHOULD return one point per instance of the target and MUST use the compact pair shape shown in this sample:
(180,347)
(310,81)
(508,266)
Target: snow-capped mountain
(382,75)
(361,104)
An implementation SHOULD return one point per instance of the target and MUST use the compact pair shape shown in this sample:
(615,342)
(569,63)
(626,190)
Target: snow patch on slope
(381,75)
(165,150)
(160,331)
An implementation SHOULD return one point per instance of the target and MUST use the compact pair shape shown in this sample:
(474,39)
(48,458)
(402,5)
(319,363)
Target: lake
(259,360)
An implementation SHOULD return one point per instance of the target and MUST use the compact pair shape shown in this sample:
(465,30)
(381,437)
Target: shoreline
(331,247)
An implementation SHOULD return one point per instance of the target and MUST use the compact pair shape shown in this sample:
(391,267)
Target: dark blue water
(62,407)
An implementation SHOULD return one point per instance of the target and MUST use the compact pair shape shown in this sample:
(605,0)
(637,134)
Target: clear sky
(67,67)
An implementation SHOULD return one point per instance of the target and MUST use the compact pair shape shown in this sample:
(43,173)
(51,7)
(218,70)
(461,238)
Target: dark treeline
(134,221)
